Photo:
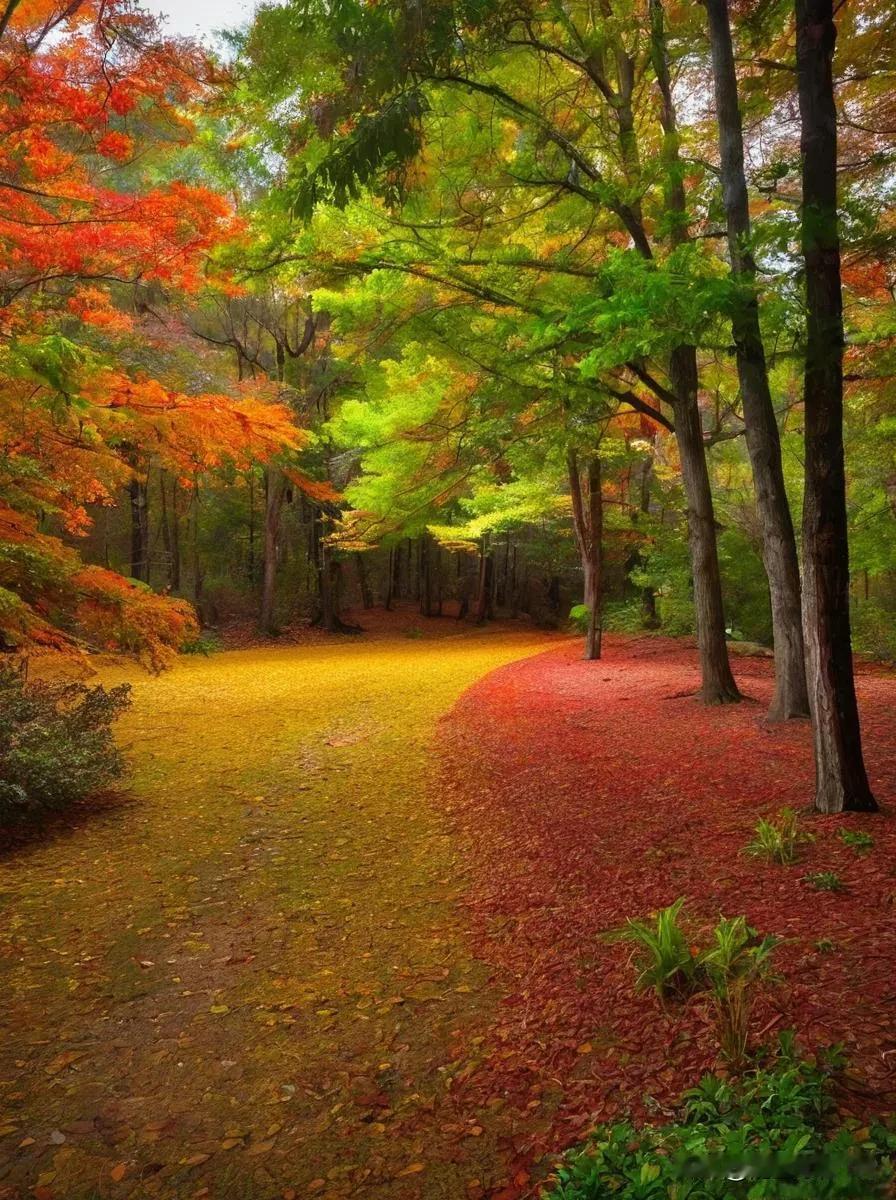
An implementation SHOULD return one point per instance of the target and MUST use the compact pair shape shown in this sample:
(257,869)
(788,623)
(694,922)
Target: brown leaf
(195,1160)
(260,1148)
(118,1172)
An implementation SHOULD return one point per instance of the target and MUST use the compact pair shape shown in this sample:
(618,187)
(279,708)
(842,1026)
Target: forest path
(254,981)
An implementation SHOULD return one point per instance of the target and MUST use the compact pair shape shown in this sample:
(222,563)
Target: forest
(448,600)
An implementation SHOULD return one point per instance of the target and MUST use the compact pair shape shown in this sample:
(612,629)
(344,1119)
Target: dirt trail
(254,980)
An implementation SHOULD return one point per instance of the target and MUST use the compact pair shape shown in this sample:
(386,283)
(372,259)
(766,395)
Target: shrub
(205,644)
(825,881)
(770,1134)
(662,954)
(625,616)
(56,743)
(579,618)
(873,630)
(857,839)
(779,840)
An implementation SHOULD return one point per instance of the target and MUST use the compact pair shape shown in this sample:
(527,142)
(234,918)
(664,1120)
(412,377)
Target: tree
(84,264)
(763,441)
(589,151)
(841,782)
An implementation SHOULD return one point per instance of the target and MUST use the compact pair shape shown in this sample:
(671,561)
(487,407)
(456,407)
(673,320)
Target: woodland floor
(333,945)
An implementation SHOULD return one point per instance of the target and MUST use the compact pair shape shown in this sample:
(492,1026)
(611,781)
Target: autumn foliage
(88,93)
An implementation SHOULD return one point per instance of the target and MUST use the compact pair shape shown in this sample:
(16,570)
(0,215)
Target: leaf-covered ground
(599,791)
(254,980)
(301,962)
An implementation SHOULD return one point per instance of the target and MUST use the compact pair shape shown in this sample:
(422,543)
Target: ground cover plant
(771,1133)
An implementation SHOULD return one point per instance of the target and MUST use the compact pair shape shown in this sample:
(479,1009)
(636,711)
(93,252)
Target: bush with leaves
(770,1134)
(56,743)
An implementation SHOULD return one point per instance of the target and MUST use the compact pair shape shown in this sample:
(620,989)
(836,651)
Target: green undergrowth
(771,1133)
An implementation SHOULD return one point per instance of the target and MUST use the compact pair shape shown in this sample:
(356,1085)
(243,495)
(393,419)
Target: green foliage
(857,839)
(768,1135)
(663,955)
(734,964)
(205,644)
(580,617)
(874,630)
(825,881)
(626,616)
(56,743)
(780,839)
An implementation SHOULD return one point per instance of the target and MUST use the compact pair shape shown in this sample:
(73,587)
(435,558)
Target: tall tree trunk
(588,521)
(791,697)
(251,554)
(329,575)
(363,581)
(275,490)
(718,686)
(138,491)
(484,587)
(424,561)
(514,596)
(170,531)
(198,578)
(841,783)
(390,580)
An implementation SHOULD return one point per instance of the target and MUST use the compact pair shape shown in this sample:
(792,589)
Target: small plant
(856,839)
(733,965)
(825,946)
(205,644)
(580,617)
(728,968)
(825,881)
(56,743)
(663,955)
(780,839)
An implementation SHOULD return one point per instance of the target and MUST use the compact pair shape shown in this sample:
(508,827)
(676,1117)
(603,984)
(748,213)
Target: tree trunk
(650,616)
(170,532)
(138,490)
(841,783)
(791,698)
(329,573)
(390,580)
(588,521)
(363,581)
(275,490)
(198,578)
(424,563)
(718,686)
(251,527)
(484,588)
